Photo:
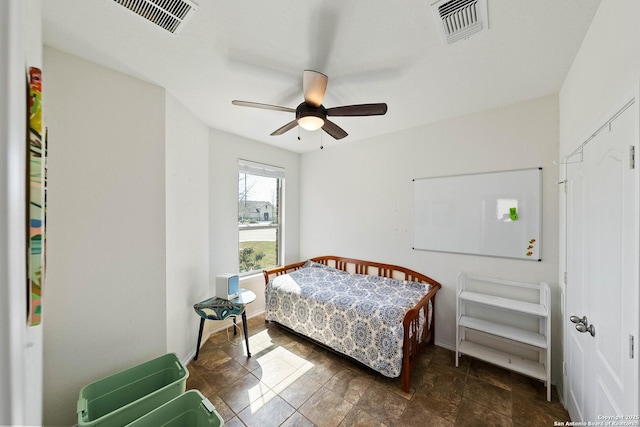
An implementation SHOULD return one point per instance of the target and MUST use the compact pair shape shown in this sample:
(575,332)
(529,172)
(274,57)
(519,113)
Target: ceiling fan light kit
(311,123)
(310,118)
(311,115)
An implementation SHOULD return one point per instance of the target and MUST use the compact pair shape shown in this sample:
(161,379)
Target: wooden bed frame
(412,347)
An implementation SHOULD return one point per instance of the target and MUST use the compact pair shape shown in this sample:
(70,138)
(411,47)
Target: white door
(602,275)
(575,352)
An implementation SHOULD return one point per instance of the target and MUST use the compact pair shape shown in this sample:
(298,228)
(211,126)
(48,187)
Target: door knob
(583,320)
(584,328)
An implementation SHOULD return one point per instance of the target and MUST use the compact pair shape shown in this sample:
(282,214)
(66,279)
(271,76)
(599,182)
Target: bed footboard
(415,337)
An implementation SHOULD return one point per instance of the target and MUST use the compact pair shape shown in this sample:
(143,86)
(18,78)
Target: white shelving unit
(504,322)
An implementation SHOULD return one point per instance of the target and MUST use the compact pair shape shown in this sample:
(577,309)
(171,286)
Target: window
(259,215)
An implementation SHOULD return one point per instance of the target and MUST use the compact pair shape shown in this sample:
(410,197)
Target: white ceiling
(372,51)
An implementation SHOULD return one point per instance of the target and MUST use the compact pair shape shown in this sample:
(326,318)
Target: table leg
(199,337)
(235,326)
(246,334)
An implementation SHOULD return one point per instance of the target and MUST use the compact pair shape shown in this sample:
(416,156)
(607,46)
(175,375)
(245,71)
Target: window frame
(248,167)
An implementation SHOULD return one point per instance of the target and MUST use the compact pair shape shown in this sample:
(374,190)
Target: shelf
(494,338)
(504,303)
(505,360)
(509,332)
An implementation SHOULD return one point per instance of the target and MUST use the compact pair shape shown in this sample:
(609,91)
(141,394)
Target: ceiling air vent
(168,14)
(459,19)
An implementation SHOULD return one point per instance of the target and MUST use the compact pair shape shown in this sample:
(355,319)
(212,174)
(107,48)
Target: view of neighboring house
(251,210)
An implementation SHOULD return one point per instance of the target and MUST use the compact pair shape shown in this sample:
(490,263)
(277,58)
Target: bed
(380,315)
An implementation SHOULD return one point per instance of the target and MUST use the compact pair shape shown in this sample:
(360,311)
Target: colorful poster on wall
(36,199)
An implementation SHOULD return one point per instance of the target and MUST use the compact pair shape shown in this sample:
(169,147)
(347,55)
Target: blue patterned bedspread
(357,315)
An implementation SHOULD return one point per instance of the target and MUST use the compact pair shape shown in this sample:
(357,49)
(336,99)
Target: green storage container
(190,409)
(123,397)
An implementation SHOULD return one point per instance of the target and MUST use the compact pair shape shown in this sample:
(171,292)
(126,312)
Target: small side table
(220,309)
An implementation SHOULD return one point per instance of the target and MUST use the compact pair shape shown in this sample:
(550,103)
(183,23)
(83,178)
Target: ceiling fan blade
(264,106)
(358,110)
(334,130)
(322,36)
(285,128)
(314,85)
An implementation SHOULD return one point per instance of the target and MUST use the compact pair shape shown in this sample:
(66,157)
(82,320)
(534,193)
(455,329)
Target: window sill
(250,275)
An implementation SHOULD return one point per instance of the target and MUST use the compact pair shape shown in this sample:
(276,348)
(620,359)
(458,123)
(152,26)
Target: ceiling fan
(311,114)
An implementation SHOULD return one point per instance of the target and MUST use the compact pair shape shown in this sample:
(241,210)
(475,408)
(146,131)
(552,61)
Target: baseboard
(189,357)
(445,345)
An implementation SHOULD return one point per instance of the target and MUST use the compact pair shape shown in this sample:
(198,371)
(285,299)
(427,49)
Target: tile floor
(289,381)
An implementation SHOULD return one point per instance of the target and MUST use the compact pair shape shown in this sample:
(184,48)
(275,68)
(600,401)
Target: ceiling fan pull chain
(321,145)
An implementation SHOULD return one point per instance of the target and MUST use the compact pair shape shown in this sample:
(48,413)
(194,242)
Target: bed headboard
(357,266)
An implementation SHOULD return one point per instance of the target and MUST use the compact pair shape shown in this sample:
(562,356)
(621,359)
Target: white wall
(106,293)
(20,345)
(134,182)
(356,199)
(187,225)
(224,153)
(605,68)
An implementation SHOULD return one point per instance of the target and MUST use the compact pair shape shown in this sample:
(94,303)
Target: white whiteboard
(493,214)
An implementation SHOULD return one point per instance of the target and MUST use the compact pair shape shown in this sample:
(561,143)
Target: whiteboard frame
(530,225)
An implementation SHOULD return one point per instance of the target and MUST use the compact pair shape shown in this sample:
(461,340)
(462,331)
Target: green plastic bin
(190,409)
(123,397)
